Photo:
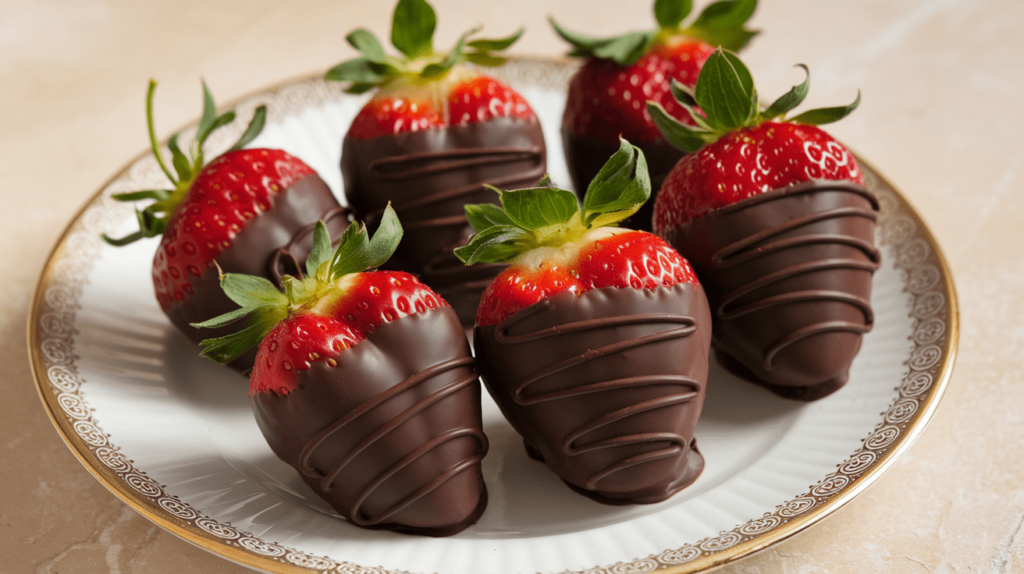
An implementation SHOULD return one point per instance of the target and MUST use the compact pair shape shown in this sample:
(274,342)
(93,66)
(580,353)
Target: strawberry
(237,210)
(594,341)
(364,383)
(606,96)
(774,214)
(429,138)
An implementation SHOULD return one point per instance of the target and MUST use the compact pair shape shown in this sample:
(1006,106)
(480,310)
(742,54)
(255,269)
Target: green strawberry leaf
(179,160)
(790,99)
(539,207)
(357,71)
(221,120)
(721,24)
(357,252)
(725,91)
(625,49)
(579,41)
(250,290)
(682,93)
(484,215)
(675,132)
(321,252)
(497,244)
(498,44)
(412,28)
(225,319)
(433,71)
(684,97)
(725,13)
(259,119)
(485,59)
(363,40)
(209,110)
(671,13)
(621,187)
(359,88)
(230,347)
(823,116)
(156,194)
(545,181)
(385,240)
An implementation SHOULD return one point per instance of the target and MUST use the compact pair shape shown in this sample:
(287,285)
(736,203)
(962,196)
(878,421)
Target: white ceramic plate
(173,434)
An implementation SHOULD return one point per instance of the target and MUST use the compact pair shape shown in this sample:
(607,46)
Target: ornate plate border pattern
(63,391)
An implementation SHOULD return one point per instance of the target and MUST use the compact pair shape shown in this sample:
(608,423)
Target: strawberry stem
(152,132)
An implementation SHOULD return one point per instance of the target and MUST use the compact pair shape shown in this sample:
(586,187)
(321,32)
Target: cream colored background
(942,84)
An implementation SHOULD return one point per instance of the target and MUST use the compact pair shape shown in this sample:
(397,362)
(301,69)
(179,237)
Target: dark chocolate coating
(287,224)
(586,157)
(392,436)
(788,275)
(428,176)
(606,387)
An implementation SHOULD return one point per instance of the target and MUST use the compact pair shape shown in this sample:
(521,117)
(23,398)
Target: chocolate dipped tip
(606,387)
(391,434)
(788,275)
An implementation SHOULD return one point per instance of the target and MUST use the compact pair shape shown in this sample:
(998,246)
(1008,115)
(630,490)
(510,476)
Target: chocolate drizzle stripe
(812,186)
(327,479)
(434,484)
(434,162)
(569,445)
(724,313)
(759,244)
(285,255)
(810,330)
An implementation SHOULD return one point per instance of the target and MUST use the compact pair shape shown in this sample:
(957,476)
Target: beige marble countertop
(942,82)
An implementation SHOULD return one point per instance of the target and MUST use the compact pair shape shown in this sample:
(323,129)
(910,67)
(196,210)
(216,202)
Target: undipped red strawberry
(594,341)
(432,135)
(210,216)
(775,217)
(364,383)
(607,95)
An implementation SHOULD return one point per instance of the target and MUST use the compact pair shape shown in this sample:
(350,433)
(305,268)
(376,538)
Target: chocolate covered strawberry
(775,217)
(248,210)
(364,383)
(433,134)
(594,341)
(607,95)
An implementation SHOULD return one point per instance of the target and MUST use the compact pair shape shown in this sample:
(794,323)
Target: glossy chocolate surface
(606,387)
(788,275)
(586,157)
(428,176)
(287,224)
(391,437)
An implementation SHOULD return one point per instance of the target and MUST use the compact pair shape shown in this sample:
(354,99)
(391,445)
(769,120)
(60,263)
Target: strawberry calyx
(154,218)
(547,218)
(329,275)
(728,101)
(719,24)
(412,32)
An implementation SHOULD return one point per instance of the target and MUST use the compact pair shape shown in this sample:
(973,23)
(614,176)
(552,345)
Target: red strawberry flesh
(465,98)
(746,162)
(607,100)
(606,257)
(358,306)
(231,190)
